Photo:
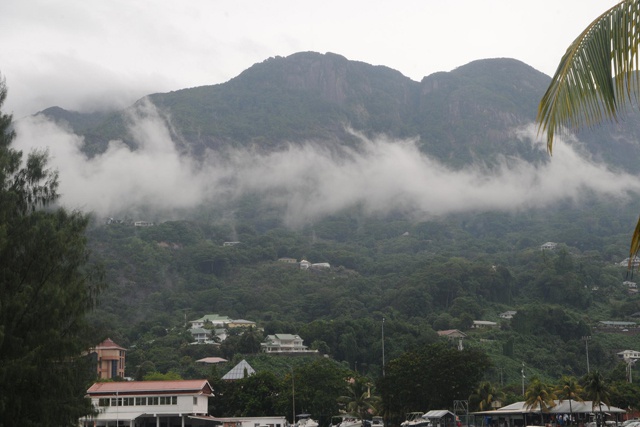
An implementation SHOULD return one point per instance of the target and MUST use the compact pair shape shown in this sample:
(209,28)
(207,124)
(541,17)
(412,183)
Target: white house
(321,265)
(285,343)
(130,403)
(549,246)
(214,319)
(477,324)
(304,264)
(629,354)
(507,314)
(201,335)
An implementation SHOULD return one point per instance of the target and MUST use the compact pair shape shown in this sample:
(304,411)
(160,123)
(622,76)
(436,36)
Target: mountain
(465,115)
(421,274)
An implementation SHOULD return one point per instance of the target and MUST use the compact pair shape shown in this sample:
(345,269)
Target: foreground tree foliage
(431,377)
(45,291)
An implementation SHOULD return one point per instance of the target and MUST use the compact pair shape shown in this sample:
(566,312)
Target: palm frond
(596,77)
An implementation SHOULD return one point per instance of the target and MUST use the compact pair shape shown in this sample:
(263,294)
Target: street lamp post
(383,346)
(586,339)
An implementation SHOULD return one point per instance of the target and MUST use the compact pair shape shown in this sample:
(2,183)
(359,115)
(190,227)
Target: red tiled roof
(212,360)
(108,343)
(150,386)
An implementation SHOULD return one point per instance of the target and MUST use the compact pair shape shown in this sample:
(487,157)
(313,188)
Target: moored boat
(305,420)
(346,420)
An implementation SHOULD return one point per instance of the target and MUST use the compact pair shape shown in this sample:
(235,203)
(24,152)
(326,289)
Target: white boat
(304,420)
(346,420)
(414,419)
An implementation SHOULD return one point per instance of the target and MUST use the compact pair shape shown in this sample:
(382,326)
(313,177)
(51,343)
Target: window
(103,401)
(152,401)
(195,400)
(174,400)
(141,401)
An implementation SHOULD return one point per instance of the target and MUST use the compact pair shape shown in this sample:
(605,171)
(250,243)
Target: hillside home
(110,359)
(288,260)
(143,224)
(230,243)
(135,403)
(215,320)
(625,262)
(285,343)
(616,324)
(479,324)
(453,335)
(201,335)
(549,246)
(321,265)
(507,314)
(629,355)
(304,264)
(240,323)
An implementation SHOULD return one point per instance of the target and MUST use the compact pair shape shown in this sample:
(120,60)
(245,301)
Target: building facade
(110,359)
(150,403)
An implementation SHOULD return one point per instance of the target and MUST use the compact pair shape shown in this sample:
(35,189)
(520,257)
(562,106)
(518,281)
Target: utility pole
(522,378)
(383,346)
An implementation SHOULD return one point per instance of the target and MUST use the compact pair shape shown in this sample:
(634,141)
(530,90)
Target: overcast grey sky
(87,54)
(80,54)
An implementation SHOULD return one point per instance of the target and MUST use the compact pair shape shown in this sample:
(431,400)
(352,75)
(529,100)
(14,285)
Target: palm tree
(359,399)
(539,396)
(484,396)
(596,79)
(569,388)
(597,390)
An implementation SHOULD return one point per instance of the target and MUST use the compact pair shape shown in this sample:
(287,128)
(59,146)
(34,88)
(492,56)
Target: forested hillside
(403,264)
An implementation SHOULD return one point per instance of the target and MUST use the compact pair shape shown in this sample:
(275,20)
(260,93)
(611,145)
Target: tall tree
(359,399)
(569,389)
(539,396)
(597,390)
(484,396)
(46,289)
(431,377)
(596,79)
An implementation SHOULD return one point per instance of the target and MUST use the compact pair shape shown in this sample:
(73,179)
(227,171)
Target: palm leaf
(596,77)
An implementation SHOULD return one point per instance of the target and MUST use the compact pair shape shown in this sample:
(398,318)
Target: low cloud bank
(308,181)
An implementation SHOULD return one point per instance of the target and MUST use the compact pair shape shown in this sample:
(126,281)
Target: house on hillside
(110,359)
(285,343)
(240,323)
(201,335)
(507,314)
(629,355)
(136,403)
(215,320)
(453,335)
(549,246)
(479,324)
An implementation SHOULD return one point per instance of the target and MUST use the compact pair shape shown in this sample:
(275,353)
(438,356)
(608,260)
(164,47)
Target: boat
(414,419)
(346,420)
(305,420)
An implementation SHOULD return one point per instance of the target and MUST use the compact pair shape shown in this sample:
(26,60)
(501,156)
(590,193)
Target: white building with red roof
(150,403)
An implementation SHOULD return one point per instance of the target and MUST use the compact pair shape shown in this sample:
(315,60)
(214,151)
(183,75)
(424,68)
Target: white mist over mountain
(308,181)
